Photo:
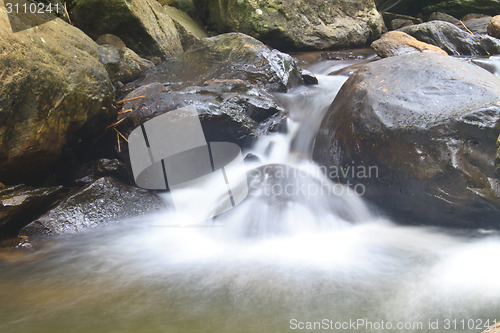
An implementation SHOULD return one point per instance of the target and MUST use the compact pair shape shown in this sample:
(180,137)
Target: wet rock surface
(452,39)
(20,204)
(431,138)
(101,202)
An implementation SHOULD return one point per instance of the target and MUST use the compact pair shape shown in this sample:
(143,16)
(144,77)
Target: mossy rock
(54,92)
(459,8)
(232,56)
(298,25)
(142,24)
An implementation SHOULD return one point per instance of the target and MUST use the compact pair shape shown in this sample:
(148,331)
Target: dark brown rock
(428,122)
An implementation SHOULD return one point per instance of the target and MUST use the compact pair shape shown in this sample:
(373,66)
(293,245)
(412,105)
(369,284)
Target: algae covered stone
(54,91)
(297,25)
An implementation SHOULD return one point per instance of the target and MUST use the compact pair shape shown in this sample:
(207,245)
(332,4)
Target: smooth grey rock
(429,123)
(99,203)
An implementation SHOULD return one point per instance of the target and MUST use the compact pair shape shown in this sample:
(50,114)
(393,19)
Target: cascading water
(310,258)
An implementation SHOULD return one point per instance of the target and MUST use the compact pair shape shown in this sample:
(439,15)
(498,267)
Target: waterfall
(280,261)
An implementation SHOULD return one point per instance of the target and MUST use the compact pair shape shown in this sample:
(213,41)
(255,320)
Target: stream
(321,260)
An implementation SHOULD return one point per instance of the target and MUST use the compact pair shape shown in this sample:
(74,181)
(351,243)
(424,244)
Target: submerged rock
(299,25)
(452,39)
(143,25)
(54,91)
(232,56)
(396,43)
(428,122)
(104,201)
(20,204)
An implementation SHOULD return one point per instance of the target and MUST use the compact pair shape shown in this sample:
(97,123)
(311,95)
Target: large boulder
(452,39)
(396,43)
(299,25)
(229,110)
(99,203)
(54,91)
(493,329)
(230,56)
(457,8)
(143,25)
(20,204)
(428,124)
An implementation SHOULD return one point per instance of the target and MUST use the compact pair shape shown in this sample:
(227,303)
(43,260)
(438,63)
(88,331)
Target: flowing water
(317,259)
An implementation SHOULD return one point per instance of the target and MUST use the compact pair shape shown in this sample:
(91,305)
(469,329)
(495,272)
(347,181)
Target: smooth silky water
(273,264)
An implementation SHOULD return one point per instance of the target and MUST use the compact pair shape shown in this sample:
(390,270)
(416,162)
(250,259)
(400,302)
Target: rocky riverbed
(421,108)
(429,122)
